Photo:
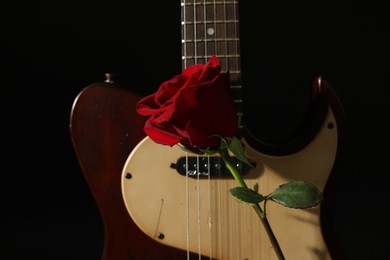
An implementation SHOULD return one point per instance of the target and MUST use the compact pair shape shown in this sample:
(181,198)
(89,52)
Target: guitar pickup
(205,166)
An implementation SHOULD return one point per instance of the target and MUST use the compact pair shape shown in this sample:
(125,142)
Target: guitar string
(218,182)
(241,216)
(198,161)
(195,33)
(184,65)
(197,157)
(218,52)
(196,60)
(210,215)
(204,20)
(196,57)
(239,99)
(187,209)
(226,69)
(184,33)
(242,213)
(235,218)
(198,208)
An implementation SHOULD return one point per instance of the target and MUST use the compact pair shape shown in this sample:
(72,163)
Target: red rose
(192,108)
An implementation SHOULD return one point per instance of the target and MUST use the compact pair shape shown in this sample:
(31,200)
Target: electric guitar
(182,200)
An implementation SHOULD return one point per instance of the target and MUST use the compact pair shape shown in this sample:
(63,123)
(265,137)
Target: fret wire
(215,26)
(210,40)
(212,3)
(198,45)
(214,16)
(194,32)
(225,31)
(213,22)
(205,26)
(184,33)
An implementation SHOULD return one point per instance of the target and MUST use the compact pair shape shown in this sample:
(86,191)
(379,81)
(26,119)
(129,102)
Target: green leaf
(256,187)
(236,148)
(224,143)
(246,195)
(199,151)
(298,194)
(186,149)
(208,152)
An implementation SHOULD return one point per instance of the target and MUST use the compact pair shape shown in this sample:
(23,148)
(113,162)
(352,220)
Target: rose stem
(237,176)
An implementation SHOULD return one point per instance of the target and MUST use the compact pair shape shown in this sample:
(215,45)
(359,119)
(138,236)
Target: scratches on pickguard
(159,218)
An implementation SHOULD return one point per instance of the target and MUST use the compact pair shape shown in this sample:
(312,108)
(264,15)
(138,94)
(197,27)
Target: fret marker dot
(210,31)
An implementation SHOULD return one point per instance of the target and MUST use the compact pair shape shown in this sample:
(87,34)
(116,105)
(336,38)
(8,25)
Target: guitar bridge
(205,166)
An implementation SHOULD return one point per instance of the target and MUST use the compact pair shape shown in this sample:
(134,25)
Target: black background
(51,50)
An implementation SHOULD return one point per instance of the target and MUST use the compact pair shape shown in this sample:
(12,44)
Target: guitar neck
(212,28)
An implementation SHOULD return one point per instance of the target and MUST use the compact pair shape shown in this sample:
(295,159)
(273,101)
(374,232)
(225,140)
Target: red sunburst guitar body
(104,131)
(150,211)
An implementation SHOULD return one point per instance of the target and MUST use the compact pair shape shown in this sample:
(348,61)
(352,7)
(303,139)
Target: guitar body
(150,211)
(104,129)
(200,215)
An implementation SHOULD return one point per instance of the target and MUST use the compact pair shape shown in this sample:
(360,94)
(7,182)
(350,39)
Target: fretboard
(211,27)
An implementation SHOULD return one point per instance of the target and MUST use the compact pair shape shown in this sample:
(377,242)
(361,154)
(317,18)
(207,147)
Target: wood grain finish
(104,129)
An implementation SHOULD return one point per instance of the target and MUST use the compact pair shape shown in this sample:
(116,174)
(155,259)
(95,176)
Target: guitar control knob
(110,78)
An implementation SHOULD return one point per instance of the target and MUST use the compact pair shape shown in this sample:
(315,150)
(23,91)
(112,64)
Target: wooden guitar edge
(323,98)
(327,206)
(104,129)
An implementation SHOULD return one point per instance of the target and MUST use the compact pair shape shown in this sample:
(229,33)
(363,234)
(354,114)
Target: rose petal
(215,115)
(161,134)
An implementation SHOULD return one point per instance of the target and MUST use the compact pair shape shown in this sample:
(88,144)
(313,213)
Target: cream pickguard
(200,215)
